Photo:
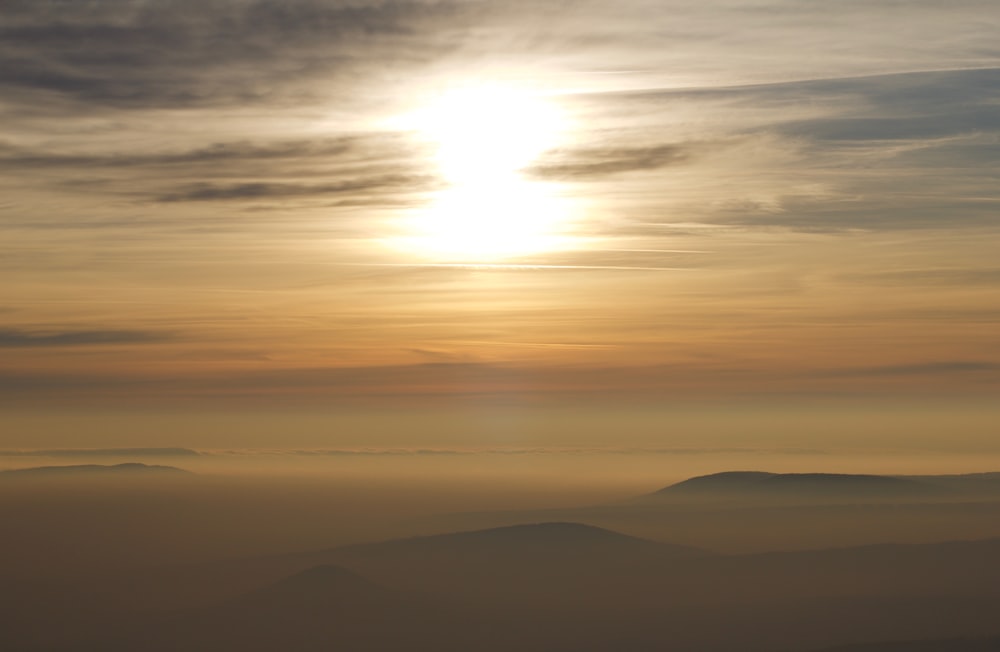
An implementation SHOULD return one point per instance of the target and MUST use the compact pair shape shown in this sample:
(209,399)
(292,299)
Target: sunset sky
(325,223)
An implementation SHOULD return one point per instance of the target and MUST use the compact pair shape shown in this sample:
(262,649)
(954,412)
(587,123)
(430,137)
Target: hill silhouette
(537,562)
(554,563)
(755,511)
(90,469)
(764,484)
(572,563)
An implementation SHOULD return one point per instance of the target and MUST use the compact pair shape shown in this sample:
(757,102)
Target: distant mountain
(755,511)
(538,562)
(763,484)
(91,469)
(515,551)
(569,562)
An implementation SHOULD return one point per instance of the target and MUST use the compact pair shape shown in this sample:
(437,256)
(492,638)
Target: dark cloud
(46,385)
(480,382)
(922,105)
(595,162)
(265,190)
(15,338)
(882,152)
(873,204)
(362,170)
(214,153)
(946,367)
(917,105)
(330,382)
(951,314)
(175,53)
(952,123)
(911,92)
(934,92)
(433,375)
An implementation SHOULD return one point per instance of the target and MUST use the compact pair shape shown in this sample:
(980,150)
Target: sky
(323,223)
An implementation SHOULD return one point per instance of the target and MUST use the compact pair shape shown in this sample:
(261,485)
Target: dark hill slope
(320,587)
(540,562)
(934,645)
(534,539)
(508,561)
(757,603)
(319,609)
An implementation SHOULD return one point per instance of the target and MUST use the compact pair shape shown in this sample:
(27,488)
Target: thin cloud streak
(519,266)
(13,338)
(945,367)
(255,191)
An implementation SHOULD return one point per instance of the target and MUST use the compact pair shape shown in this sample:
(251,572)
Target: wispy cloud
(594,163)
(213,154)
(457,382)
(923,105)
(937,368)
(183,53)
(16,338)
(261,190)
(988,276)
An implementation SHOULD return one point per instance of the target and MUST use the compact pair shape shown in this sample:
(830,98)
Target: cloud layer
(772,197)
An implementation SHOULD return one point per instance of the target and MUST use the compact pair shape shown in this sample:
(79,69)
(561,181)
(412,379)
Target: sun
(483,138)
(486,132)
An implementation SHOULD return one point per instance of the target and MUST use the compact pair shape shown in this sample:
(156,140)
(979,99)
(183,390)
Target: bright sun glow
(491,220)
(484,137)
(488,132)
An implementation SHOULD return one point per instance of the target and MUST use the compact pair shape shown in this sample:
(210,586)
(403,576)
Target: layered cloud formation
(201,198)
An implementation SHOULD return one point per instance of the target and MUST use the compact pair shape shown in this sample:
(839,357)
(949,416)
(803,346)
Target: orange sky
(310,205)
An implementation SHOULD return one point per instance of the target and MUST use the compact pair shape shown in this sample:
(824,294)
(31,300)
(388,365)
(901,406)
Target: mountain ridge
(71,469)
(764,483)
